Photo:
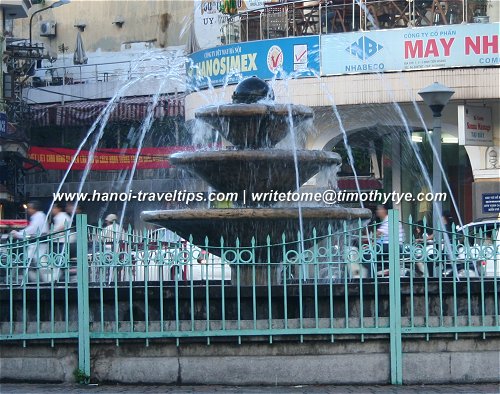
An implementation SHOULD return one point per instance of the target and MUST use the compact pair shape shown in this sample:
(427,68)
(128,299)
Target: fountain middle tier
(253,171)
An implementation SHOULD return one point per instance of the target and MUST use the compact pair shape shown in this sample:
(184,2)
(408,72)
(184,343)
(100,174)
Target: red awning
(84,113)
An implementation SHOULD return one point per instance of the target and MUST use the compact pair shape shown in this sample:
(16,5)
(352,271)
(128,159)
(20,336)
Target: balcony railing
(299,18)
(93,73)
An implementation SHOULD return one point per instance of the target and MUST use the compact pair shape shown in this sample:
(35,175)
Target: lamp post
(53,5)
(436,96)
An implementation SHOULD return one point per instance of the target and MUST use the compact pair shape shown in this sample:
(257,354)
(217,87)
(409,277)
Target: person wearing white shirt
(382,214)
(112,234)
(383,228)
(62,223)
(38,248)
(37,225)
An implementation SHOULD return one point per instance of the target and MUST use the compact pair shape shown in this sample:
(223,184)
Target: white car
(481,246)
(176,257)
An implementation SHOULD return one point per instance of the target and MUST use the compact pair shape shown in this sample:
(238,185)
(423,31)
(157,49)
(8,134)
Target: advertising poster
(264,59)
(468,45)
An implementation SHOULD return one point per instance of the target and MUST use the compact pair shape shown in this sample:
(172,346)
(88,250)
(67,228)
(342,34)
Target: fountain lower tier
(252,171)
(208,226)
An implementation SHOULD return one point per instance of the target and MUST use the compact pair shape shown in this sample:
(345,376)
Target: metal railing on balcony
(93,73)
(299,18)
(92,283)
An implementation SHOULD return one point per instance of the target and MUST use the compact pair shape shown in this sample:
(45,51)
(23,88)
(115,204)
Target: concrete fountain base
(263,228)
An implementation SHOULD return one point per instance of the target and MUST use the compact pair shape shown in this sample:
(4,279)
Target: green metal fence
(118,284)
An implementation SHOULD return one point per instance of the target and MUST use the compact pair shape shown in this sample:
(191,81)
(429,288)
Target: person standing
(114,239)
(382,213)
(61,228)
(112,233)
(72,210)
(37,249)
(37,225)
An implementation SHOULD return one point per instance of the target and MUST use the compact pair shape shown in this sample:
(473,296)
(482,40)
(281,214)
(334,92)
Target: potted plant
(229,7)
(479,11)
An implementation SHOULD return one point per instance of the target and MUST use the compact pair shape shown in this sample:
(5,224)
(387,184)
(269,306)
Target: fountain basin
(256,125)
(207,226)
(254,170)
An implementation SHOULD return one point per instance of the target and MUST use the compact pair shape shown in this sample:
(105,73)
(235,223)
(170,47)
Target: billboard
(265,59)
(468,45)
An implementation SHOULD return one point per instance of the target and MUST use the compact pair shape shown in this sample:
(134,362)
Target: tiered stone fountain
(254,124)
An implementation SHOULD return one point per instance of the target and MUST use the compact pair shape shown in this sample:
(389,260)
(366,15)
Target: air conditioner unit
(48,29)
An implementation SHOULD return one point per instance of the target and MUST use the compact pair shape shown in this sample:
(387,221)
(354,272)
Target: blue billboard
(266,59)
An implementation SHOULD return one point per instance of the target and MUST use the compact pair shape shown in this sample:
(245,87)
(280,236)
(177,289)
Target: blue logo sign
(3,123)
(491,202)
(364,48)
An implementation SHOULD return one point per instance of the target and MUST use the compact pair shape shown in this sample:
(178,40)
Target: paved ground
(70,389)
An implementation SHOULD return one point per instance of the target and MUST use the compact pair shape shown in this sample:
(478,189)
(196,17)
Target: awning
(84,113)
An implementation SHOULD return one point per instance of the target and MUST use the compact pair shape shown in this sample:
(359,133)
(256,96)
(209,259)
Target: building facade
(361,70)
(132,54)
(360,66)
(13,143)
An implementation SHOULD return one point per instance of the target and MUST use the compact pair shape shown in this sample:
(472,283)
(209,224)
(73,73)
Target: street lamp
(436,96)
(53,5)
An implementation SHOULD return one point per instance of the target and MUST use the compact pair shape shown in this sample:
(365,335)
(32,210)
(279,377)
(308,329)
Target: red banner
(13,223)
(104,159)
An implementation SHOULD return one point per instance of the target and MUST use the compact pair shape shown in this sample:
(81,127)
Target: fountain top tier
(252,90)
(253,120)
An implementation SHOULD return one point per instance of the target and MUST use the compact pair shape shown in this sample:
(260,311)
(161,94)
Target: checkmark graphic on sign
(276,61)
(297,58)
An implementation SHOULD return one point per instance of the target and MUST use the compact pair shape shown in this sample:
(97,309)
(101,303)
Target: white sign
(251,4)
(300,57)
(474,126)
(209,21)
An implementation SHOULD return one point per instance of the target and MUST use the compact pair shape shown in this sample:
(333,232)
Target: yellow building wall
(161,22)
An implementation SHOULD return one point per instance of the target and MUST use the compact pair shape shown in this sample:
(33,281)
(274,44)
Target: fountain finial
(252,90)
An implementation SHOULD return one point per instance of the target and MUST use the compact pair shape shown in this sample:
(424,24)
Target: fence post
(83,296)
(395,299)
